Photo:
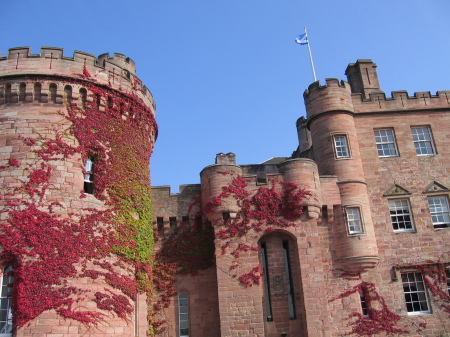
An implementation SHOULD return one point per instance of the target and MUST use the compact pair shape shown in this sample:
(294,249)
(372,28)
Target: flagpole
(310,57)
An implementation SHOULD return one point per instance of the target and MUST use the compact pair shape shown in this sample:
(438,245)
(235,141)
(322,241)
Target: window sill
(415,313)
(405,231)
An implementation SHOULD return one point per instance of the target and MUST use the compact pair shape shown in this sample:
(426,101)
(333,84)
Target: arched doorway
(283,301)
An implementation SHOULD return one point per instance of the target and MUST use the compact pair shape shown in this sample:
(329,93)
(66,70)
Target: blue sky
(227,75)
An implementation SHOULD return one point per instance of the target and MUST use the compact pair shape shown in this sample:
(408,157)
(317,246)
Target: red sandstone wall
(25,115)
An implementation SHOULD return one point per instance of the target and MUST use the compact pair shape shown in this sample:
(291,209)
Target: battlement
(335,95)
(120,60)
(400,101)
(117,72)
(329,83)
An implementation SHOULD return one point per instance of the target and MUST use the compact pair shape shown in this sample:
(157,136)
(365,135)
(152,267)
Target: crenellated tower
(73,130)
(330,118)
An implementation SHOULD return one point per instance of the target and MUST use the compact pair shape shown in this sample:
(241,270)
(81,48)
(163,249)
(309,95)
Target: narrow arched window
(37,92)
(6,317)
(22,92)
(183,314)
(68,94)
(8,93)
(83,97)
(52,88)
(89,176)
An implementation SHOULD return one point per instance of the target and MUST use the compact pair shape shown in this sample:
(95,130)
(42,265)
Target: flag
(302,39)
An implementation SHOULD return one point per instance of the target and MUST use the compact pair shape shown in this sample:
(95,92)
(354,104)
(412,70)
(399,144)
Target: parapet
(335,95)
(117,72)
(119,60)
(400,101)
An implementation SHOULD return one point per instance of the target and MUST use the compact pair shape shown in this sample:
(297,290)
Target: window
(364,310)
(354,220)
(400,215)
(173,223)
(385,141)
(423,141)
(89,176)
(341,146)
(265,266)
(447,272)
(415,293)
(6,325)
(183,314)
(440,213)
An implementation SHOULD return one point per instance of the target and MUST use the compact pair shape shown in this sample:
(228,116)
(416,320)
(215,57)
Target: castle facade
(365,256)
(347,236)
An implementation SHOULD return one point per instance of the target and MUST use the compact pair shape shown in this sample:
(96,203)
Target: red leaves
(379,320)
(114,302)
(48,248)
(14,162)
(261,211)
(435,278)
(252,277)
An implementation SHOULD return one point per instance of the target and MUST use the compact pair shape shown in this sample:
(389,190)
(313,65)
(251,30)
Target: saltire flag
(302,39)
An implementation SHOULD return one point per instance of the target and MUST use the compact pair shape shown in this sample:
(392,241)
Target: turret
(213,179)
(304,173)
(77,134)
(336,150)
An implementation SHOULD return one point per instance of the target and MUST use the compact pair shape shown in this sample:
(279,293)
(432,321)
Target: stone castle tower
(65,126)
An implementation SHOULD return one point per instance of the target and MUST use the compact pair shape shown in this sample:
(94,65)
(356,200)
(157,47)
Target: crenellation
(117,71)
(400,101)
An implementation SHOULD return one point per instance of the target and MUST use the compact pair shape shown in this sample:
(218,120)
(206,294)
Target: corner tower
(333,133)
(76,136)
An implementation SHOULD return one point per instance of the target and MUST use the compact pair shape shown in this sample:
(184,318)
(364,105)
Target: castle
(348,236)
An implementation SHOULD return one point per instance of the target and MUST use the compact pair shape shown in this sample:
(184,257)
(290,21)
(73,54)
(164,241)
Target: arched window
(68,94)
(83,97)
(282,295)
(8,93)
(52,88)
(37,92)
(22,92)
(6,325)
(89,176)
(183,314)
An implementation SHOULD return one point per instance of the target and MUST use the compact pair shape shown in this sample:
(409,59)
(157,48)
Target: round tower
(213,179)
(336,150)
(304,173)
(76,137)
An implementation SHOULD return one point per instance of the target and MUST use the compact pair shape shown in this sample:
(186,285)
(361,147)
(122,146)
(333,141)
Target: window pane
(439,210)
(183,316)
(385,141)
(423,141)
(354,220)
(415,293)
(341,147)
(400,215)
(5,300)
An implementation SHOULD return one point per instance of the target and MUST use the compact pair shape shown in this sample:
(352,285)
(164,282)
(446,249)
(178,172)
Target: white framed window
(386,145)
(440,211)
(89,176)
(416,297)
(341,146)
(6,317)
(183,314)
(423,141)
(364,309)
(401,218)
(354,222)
